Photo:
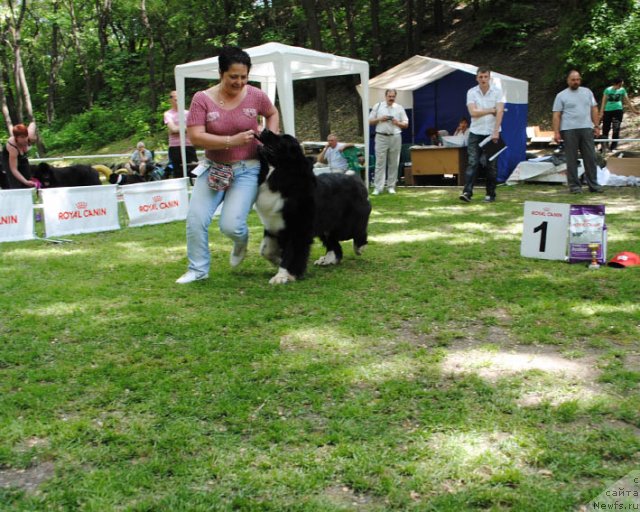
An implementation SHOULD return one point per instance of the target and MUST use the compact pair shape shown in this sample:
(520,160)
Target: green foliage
(606,51)
(90,130)
(509,30)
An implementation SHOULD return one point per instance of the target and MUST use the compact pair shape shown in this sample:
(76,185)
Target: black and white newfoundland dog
(71,176)
(295,206)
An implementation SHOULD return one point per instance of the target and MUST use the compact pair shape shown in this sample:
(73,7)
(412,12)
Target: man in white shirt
(575,120)
(485,103)
(390,119)
(332,155)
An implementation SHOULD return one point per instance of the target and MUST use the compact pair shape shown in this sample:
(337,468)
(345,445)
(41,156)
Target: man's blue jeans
(475,159)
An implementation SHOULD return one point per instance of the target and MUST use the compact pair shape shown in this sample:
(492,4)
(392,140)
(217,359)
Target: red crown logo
(157,199)
(81,205)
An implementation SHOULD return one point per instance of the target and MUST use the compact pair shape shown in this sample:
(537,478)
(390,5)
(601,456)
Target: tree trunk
(151,61)
(376,56)
(103,9)
(331,21)
(56,61)
(3,103)
(419,27)
(321,86)
(438,17)
(410,39)
(82,59)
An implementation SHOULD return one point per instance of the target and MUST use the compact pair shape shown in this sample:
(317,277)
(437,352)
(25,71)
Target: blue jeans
(475,158)
(238,200)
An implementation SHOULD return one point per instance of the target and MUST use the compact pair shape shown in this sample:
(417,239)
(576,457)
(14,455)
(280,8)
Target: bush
(605,50)
(94,128)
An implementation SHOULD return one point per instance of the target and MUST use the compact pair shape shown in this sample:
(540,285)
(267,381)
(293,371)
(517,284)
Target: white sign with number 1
(545,232)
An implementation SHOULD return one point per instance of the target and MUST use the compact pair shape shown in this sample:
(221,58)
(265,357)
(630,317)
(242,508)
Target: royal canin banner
(16,215)
(74,210)
(156,202)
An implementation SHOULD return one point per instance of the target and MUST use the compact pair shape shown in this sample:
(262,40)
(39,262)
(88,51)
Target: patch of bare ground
(27,479)
(546,374)
(344,497)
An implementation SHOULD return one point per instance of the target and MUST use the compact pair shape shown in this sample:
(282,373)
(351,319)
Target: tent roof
(419,71)
(303,63)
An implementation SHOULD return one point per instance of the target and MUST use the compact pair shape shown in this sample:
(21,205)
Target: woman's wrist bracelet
(227,143)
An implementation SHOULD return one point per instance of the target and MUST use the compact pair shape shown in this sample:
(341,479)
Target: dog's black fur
(295,206)
(125,179)
(71,176)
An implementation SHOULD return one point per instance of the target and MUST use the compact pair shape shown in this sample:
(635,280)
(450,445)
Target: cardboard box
(624,166)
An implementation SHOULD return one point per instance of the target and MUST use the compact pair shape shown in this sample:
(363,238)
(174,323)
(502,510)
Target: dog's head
(44,173)
(279,149)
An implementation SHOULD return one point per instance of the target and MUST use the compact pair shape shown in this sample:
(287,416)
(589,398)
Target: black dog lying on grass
(72,176)
(125,179)
(295,206)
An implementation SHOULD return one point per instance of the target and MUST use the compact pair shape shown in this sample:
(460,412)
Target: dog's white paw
(282,277)
(327,259)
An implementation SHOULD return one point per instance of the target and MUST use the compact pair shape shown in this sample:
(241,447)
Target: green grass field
(440,371)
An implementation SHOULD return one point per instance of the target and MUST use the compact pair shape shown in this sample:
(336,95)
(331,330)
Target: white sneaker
(190,276)
(392,190)
(237,254)
(376,192)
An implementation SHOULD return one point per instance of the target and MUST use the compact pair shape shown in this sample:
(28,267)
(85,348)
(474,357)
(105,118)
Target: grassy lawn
(440,371)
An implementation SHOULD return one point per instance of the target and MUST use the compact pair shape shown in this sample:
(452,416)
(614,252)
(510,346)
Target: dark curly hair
(230,55)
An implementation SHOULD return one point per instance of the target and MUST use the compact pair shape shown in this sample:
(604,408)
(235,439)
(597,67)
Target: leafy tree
(605,51)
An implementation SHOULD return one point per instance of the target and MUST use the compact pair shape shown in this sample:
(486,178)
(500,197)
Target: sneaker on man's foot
(376,192)
(465,197)
(190,276)
(392,190)
(237,254)
(598,190)
(575,191)
(489,199)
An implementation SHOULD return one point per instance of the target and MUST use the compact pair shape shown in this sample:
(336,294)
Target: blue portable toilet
(434,94)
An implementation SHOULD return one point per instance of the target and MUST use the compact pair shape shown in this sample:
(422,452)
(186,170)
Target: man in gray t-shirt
(575,119)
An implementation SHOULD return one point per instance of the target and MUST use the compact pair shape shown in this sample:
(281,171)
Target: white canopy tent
(275,66)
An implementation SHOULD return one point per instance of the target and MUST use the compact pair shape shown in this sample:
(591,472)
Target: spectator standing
(224,120)
(575,120)
(171,119)
(612,110)
(485,103)
(390,119)
(15,162)
(332,155)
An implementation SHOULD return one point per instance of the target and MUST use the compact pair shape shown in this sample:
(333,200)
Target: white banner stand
(75,210)
(16,215)
(545,232)
(156,202)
